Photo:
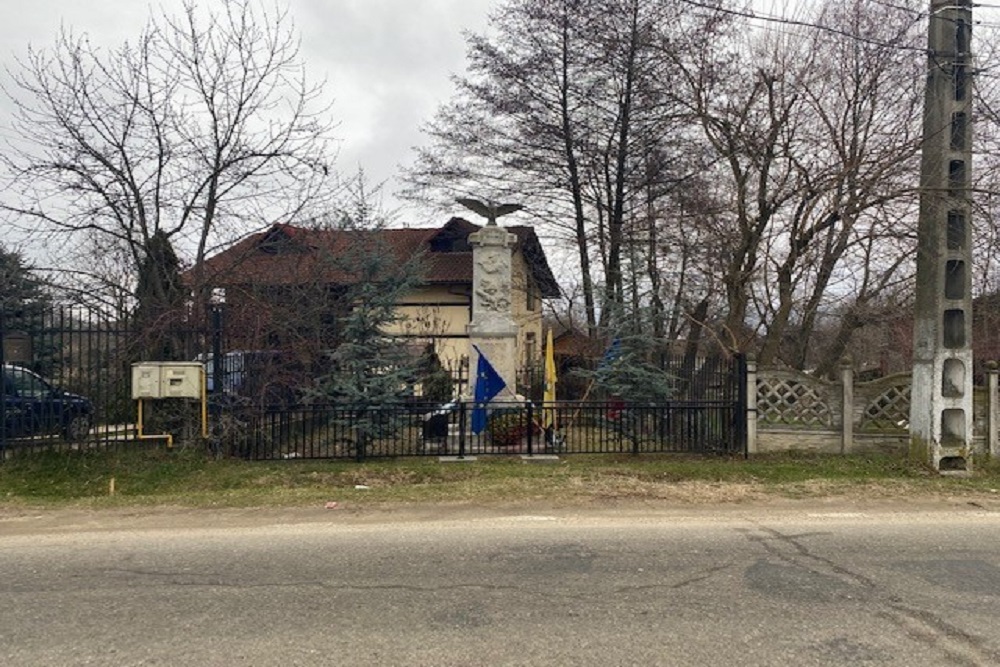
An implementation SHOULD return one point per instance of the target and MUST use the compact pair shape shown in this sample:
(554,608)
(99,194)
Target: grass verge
(188,479)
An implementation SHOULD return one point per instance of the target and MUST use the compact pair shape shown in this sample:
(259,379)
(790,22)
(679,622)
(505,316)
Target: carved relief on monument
(494,295)
(492,282)
(491,263)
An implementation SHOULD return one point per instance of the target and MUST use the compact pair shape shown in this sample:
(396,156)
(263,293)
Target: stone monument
(492,328)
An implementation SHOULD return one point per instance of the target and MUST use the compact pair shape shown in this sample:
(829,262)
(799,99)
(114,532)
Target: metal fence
(66,380)
(72,360)
(608,427)
(708,416)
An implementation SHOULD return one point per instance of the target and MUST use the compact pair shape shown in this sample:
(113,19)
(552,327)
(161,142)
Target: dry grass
(155,477)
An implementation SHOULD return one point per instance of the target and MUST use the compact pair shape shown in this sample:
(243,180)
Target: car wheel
(77,428)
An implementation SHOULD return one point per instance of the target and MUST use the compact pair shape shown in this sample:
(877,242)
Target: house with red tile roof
(284,287)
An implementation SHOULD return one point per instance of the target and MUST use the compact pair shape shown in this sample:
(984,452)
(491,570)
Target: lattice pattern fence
(798,411)
(793,402)
(886,408)
(791,399)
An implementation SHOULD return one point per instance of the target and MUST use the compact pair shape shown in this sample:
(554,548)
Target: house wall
(257,319)
(441,313)
(528,320)
(438,313)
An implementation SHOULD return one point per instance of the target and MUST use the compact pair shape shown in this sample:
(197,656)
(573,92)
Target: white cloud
(387,62)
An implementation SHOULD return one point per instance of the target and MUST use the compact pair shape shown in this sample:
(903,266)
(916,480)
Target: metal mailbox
(167,379)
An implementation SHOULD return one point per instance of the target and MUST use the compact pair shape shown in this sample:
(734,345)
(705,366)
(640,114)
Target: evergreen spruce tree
(435,380)
(633,368)
(370,373)
(23,296)
(633,372)
(24,301)
(160,297)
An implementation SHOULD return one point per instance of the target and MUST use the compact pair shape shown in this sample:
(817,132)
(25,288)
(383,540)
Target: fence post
(218,371)
(636,416)
(3,393)
(847,412)
(750,400)
(992,408)
(461,429)
(531,426)
(361,439)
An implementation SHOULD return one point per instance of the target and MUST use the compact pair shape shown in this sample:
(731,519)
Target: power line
(770,18)
(901,8)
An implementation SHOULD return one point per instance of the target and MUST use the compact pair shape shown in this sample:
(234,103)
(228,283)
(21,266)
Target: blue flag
(611,355)
(488,385)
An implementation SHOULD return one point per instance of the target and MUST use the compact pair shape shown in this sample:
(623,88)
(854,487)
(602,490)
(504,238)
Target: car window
(28,385)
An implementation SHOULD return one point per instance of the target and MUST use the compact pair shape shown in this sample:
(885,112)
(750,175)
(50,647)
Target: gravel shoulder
(693,504)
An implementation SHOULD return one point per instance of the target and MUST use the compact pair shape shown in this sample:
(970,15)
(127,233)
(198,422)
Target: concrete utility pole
(941,418)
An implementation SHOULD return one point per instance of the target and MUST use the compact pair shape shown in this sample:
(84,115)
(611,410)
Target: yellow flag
(549,398)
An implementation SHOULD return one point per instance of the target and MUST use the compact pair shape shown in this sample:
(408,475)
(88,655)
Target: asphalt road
(810,585)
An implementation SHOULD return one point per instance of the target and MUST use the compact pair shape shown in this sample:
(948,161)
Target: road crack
(959,646)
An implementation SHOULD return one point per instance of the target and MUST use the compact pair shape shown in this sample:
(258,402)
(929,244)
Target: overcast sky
(387,62)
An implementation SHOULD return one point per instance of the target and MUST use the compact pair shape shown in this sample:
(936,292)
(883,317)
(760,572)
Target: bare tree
(815,136)
(714,178)
(564,108)
(860,155)
(201,128)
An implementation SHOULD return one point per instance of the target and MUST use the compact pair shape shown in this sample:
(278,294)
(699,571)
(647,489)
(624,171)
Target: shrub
(507,428)
(437,387)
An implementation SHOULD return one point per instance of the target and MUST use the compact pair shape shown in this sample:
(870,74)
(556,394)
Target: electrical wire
(770,18)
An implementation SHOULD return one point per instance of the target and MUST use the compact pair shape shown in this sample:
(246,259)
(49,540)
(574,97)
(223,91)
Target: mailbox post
(156,380)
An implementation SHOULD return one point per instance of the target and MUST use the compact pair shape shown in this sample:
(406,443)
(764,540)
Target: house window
(531,298)
(530,348)
(451,242)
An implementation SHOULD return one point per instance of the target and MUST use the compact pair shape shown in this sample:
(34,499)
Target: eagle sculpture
(488,210)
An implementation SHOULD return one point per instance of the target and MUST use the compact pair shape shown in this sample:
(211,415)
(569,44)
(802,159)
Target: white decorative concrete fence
(797,411)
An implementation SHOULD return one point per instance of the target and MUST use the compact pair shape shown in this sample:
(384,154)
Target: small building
(282,289)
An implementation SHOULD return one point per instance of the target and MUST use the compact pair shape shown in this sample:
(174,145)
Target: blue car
(32,406)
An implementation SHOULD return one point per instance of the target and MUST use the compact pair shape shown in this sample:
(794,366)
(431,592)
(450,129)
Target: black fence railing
(67,385)
(66,380)
(338,432)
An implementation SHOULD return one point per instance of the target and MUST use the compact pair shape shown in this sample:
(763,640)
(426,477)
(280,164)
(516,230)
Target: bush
(507,428)
(437,386)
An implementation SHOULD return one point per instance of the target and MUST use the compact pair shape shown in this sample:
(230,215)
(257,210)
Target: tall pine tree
(23,298)
(370,373)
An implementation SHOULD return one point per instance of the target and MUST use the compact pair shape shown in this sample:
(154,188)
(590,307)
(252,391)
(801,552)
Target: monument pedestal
(492,329)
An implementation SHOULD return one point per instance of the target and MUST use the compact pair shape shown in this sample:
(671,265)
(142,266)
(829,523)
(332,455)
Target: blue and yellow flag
(488,385)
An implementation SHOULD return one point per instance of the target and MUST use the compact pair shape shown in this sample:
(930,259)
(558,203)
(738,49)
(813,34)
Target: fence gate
(711,410)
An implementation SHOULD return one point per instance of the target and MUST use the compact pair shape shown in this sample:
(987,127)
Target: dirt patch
(683,499)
